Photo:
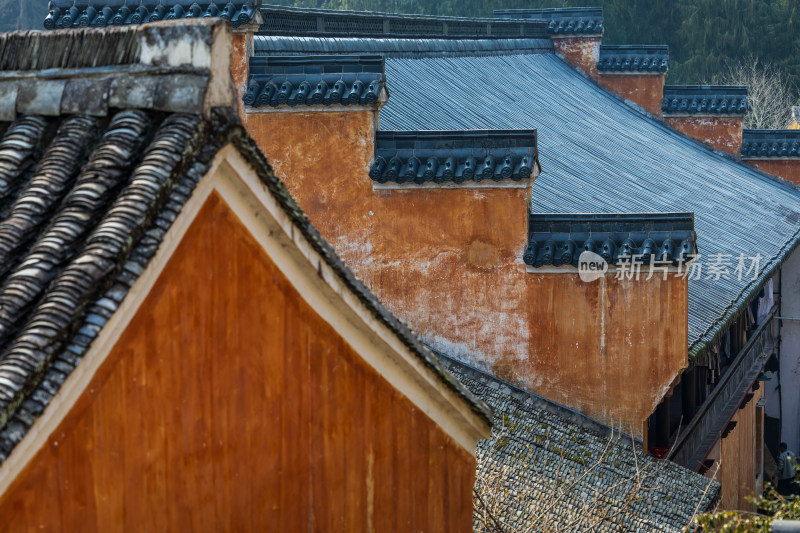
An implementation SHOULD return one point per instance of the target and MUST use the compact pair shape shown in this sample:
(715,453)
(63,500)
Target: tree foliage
(703,35)
(772,505)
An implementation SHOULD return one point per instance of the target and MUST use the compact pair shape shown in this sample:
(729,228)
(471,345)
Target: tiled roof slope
(599,155)
(88,192)
(536,443)
(101,13)
(767,144)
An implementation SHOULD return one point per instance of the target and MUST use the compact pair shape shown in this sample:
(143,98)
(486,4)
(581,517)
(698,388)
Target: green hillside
(702,34)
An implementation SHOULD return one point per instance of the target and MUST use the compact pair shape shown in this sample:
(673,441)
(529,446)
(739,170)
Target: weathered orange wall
(580,52)
(738,462)
(228,404)
(610,348)
(644,90)
(449,262)
(788,169)
(722,133)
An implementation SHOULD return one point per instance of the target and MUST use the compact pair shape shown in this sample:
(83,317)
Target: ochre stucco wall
(645,91)
(580,52)
(788,169)
(228,404)
(449,263)
(610,348)
(722,133)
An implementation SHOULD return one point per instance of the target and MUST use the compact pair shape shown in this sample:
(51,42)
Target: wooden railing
(704,429)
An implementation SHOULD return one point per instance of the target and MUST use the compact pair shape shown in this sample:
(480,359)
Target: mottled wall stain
(722,133)
(448,262)
(240,54)
(580,52)
(645,91)
(788,169)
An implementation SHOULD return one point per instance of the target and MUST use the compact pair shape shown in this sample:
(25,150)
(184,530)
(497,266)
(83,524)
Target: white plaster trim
(310,109)
(569,269)
(768,158)
(574,36)
(466,184)
(238,184)
(629,73)
(704,115)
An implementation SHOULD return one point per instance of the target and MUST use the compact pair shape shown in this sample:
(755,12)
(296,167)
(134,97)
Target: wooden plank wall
(229,405)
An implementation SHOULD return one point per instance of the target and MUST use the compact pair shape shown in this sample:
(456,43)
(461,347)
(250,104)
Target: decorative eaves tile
(315,80)
(77,14)
(558,239)
(766,144)
(418,157)
(704,100)
(633,59)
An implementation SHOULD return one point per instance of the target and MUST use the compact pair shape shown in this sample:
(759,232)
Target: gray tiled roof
(86,201)
(598,154)
(543,454)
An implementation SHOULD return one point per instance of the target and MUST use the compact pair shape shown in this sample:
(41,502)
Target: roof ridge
(283,20)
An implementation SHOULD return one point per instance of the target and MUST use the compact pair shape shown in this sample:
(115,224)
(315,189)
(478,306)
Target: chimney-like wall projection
(775,152)
(576,32)
(608,298)
(712,114)
(636,73)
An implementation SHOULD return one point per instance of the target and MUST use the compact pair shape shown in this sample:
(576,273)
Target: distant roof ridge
(550,406)
(560,20)
(399,47)
(283,20)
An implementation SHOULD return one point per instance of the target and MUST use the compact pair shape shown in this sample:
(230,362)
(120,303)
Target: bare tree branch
(770,96)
